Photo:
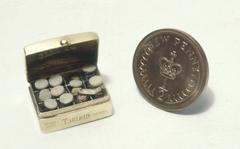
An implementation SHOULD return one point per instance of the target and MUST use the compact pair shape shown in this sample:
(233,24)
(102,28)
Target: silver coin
(41,84)
(75,83)
(89,68)
(57,91)
(44,94)
(50,104)
(75,78)
(55,80)
(95,81)
(66,98)
(90,91)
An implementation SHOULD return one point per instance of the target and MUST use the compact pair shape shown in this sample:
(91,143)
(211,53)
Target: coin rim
(203,63)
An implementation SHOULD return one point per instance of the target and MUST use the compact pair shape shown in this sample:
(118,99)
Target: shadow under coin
(201,105)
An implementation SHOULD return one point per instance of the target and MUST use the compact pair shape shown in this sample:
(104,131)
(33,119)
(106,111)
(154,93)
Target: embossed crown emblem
(168,68)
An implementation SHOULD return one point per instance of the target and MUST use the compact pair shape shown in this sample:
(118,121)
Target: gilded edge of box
(76,117)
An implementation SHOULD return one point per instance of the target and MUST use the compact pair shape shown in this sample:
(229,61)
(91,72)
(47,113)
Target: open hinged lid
(60,54)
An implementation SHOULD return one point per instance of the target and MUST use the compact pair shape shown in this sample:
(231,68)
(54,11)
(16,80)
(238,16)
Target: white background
(213,122)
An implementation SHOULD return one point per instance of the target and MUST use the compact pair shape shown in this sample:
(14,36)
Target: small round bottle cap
(41,84)
(44,94)
(75,91)
(75,83)
(89,68)
(57,90)
(66,98)
(55,80)
(50,104)
(95,81)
